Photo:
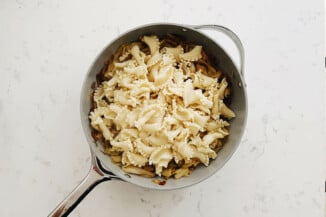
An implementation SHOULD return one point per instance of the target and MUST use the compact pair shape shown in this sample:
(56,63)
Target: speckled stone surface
(46,48)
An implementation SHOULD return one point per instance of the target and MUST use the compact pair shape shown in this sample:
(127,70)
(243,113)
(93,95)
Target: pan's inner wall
(217,56)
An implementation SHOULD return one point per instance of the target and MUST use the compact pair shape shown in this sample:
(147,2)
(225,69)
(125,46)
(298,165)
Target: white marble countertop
(46,48)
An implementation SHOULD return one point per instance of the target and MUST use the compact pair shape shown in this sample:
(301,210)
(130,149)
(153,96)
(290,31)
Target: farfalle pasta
(159,107)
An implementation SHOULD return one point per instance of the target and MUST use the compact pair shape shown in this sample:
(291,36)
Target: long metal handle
(232,36)
(94,177)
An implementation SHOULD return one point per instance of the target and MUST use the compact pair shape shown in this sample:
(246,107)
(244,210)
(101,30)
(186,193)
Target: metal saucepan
(103,169)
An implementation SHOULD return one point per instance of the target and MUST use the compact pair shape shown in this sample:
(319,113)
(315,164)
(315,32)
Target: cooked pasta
(159,108)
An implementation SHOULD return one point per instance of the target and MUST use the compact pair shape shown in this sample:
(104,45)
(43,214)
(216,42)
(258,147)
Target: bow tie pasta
(159,108)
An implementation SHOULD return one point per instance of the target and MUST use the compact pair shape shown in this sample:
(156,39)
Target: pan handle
(236,40)
(94,177)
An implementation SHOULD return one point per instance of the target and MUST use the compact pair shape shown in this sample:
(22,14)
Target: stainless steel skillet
(103,169)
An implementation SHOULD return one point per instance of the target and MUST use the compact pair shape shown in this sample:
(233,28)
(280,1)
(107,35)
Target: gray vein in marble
(149,213)
(26,52)
(245,209)
(274,130)
(9,90)
(42,69)
(258,204)
(316,203)
(43,161)
(157,205)
(40,110)
(259,149)
(1,107)
(199,202)
(144,201)
(52,98)
(17,75)
(37,128)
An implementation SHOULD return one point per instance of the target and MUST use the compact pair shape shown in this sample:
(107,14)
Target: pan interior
(218,57)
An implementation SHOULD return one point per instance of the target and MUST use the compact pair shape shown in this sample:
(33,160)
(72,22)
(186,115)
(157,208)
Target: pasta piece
(191,96)
(143,149)
(203,81)
(132,117)
(171,134)
(136,159)
(209,138)
(202,157)
(193,128)
(98,97)
(124,98)
(152,42)
(154,59)
(177,156)
(124,56)
(143,119)
(221,90)
(152,128)
(175,51)
(104,129)
(181,145)
(223,131)
(168,60)
(160,158)
(138,171)
(157,140)
(168,172)
(183,114)
(122,145)
(172,90)
(96,116)
(188,67)
(136,53)
(128,63)
(149,114)
(225,111)
(200,120)
(127,133)
(213,125)
(141,92)
(201,108)
(163,76)
(121,117)
(182,172)
(171,128)
(193,55)
(139,71)
(116,159)
(202,68)
(125,159)
(153,73)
